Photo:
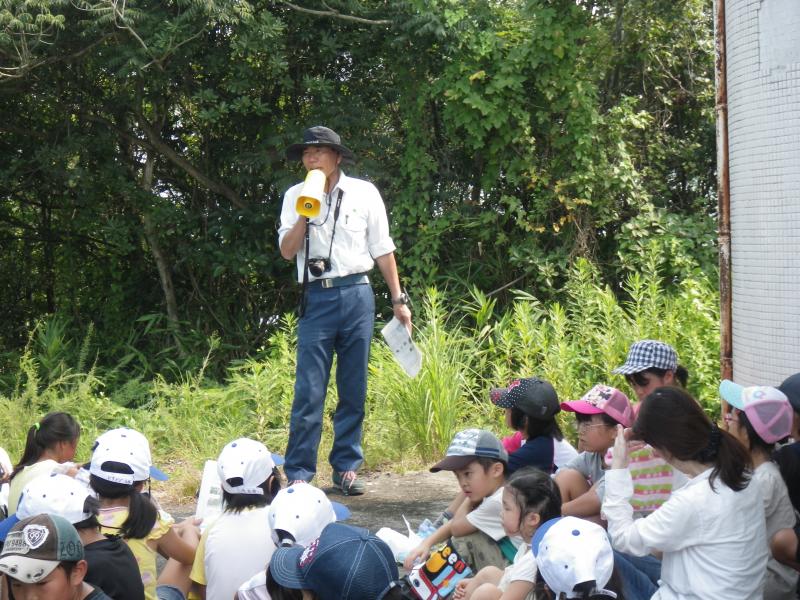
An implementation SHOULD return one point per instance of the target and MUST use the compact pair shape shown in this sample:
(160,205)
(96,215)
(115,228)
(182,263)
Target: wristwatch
(401,299)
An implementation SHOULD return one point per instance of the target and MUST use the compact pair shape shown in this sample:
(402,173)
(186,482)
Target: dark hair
(53,428)
(670,419)
(277,592)
(584,590)
(534,428)
(236,503)
(608,420)
(681,376)
(92,506)
(788,460)
(487,463)
(535,491)
(142,511)
(756,442)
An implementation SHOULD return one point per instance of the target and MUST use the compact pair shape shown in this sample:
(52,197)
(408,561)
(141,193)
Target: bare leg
(487,591)
(571,484)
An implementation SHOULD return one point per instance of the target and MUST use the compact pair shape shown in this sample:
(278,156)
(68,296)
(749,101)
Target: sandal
(348,483)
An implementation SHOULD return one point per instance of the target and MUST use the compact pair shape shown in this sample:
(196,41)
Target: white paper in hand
(402,346)
(209,500)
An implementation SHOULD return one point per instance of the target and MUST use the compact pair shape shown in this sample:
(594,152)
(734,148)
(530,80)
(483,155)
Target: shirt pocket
(354,221)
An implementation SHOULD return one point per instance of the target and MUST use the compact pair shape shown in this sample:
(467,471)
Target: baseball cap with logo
(303,510)
(570,551)
(37,545)
(767,408)
(468,445)
(533,396)
(130,449)
(249,461)
(648,354)
(343,563)
(603,399)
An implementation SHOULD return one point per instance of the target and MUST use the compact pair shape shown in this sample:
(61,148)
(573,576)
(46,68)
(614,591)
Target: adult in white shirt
(344,241)
(711,531)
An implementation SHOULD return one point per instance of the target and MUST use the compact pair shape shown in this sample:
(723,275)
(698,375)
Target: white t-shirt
(781,581)
(563,452)
(522,569)
(713,541)
(255,588)
(488,518)
(362,230)
(232,549)
(25,476)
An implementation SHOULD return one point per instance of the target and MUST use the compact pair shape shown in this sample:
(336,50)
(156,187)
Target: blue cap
(344,563)
(6,525)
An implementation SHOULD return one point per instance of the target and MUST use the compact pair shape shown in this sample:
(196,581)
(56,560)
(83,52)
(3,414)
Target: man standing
(346,239)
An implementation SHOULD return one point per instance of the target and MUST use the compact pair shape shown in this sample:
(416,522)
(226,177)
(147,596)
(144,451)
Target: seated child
(598,413)
(651,364)
(760,417)
(478,460)
(111,565)
(5,473)
(344,563)
(51,441)
(574,560)
(43,558)
(785,546)
(297,516)
(530,498)
(238,543)
(531,406)
(119,468)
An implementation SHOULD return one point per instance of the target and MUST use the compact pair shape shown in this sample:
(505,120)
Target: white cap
(128,447)
(570,551)
(248,460)
(301,510)
(55,494)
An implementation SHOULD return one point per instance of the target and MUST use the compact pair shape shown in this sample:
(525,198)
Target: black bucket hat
(319,136)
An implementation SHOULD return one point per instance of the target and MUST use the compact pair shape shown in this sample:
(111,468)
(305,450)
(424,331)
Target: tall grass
(469,346)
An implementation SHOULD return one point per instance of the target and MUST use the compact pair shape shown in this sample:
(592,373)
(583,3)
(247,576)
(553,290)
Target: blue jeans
(340,320)
(639,575)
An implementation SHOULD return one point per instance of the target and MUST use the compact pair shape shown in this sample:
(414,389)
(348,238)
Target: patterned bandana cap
(344,563)
(533,396)
(603,399)
(767,409)
(570,551)
(468,445)
(36,546)
(649,354)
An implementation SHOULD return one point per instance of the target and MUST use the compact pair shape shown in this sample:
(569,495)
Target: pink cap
(603,399)
(767,408)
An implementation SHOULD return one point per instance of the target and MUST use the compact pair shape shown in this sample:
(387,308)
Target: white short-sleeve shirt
(488,518)
(362,229)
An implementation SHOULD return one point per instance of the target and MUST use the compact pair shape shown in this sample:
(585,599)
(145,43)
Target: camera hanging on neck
(320,265)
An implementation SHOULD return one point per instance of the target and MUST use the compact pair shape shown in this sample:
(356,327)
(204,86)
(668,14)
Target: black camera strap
(301,309)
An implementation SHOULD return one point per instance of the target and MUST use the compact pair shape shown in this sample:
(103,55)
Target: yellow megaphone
(310,199)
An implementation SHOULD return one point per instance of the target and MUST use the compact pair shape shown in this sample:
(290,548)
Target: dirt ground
(389,496)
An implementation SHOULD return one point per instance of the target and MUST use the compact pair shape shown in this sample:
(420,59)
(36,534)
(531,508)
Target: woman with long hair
(711,531)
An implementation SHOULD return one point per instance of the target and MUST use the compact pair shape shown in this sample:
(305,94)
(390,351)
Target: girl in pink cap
(597,413)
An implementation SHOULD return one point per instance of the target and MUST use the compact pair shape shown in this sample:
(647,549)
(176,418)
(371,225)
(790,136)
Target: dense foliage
(142,155)
(409,421)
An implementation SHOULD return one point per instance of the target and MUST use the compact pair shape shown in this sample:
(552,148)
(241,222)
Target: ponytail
(55,427)
(670,419)
(142,511)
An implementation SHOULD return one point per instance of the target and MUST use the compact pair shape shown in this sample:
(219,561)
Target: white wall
(763,55)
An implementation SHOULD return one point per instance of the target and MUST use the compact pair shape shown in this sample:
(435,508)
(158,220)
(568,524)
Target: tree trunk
(162,263)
